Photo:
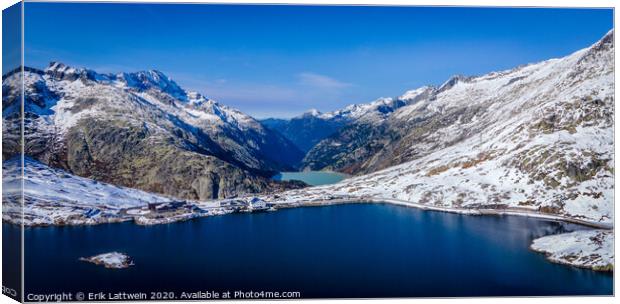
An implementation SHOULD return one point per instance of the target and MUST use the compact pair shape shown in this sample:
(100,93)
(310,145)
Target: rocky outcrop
(127,155)
(346,150)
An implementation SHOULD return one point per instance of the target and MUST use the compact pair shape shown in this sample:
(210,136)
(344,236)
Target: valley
(536,141)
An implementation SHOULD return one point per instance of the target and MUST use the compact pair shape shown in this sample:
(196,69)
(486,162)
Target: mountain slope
(459,109)
(535,138)
(55,197)
(363,133)
(142,130)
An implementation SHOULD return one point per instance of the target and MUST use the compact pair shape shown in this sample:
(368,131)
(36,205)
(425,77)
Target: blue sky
(278,61)
(11,38)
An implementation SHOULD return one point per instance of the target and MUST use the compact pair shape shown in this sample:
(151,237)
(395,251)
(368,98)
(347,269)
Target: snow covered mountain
(359,126)
(311,127)
(142,130)
(535,138)
(464,107)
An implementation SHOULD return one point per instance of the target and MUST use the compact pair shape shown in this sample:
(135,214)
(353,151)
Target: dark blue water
(361,250)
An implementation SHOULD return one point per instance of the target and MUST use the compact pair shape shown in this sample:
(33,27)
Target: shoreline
(497,212)
(397,202)
(549,258)
(340,201)
(595,226)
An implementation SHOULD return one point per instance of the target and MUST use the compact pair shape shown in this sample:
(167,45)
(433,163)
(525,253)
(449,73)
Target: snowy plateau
(536,140)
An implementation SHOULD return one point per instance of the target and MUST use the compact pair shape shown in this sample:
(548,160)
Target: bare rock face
(129,157)
(347,150)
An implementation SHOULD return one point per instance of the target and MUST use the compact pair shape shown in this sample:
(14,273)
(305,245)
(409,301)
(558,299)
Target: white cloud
(321,81)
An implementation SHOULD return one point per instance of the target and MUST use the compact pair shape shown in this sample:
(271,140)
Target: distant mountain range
(305,131)
(311,127)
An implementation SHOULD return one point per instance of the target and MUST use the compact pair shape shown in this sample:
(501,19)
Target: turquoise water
(313,178)
(353,250)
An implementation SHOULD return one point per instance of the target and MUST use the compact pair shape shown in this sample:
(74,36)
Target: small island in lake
(113,260)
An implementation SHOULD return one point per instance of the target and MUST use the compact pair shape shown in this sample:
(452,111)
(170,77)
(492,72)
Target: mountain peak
(56,66)
(61,71)
(604,43)
(609,35)
(141,80)
(452,82)
(603,47)
(312,112)
(198,99)
(417,94)
(145,80)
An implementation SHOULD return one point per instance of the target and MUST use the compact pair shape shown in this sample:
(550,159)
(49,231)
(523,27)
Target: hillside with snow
(55,197)
(431,119)
(537,138)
